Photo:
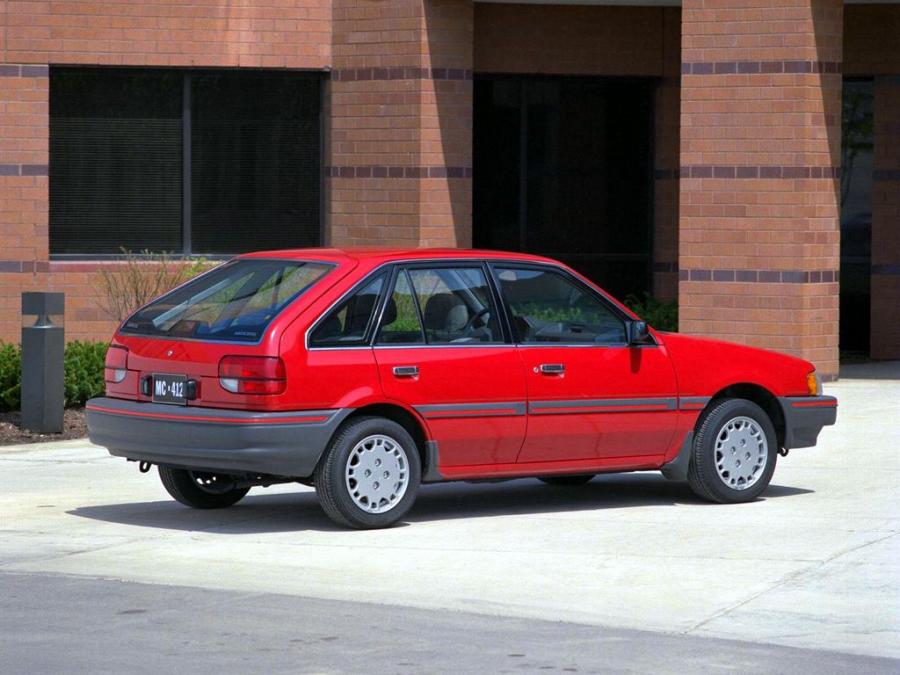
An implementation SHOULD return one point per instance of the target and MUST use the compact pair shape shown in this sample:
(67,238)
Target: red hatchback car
(368,372)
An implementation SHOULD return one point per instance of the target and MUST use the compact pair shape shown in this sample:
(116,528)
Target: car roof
(381,255)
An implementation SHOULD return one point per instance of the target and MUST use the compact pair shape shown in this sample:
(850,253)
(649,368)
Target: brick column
(24,143)
(666,161)
(400,137)
(885,341)
(760,149)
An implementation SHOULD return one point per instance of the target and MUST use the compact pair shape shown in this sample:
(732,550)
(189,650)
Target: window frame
(372,324)
(601,297)
(394,267)
(474,263)
(186,251)
(379,324)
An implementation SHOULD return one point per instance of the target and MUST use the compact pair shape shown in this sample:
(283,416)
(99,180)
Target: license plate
(169,389)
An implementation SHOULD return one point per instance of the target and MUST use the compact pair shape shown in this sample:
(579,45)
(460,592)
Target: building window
(563,167)
(208,162)
(857,174)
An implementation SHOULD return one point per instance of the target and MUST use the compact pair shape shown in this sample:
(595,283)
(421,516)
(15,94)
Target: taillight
(116,365)
(252,374)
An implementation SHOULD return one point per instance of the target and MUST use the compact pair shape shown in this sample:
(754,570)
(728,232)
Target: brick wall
(885,322)
(871,46)
(263,33)
(666,162)
(582,40)
(760,151)
(401,123)
(260,33)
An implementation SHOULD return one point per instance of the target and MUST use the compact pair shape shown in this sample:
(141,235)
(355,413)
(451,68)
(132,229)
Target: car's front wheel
(734,452)
(201,489)
(369,476)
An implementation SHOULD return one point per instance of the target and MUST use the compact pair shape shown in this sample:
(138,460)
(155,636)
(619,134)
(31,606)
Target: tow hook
(144,467)
(783,452)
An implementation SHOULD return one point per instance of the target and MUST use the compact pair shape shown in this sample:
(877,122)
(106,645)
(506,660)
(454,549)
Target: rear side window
(235,302)
(349,323)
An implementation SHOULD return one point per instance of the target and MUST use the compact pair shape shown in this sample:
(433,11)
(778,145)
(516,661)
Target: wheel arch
(757,394)
(407,419)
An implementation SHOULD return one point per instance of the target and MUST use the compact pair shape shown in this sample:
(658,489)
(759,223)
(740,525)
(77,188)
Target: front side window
(547,306)
(456,305)
(234,302)
(349,323)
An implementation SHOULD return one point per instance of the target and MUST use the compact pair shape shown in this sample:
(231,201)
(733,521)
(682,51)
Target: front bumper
(804,417)
(213,439)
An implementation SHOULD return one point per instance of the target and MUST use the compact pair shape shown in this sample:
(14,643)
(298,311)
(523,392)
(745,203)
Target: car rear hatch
(214,341)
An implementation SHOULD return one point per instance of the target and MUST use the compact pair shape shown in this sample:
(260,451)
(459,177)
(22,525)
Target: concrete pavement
(813,565)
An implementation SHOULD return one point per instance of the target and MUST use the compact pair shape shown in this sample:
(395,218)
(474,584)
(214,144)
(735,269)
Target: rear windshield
(233,302)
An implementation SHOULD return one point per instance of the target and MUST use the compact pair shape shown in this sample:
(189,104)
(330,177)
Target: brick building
(691,151)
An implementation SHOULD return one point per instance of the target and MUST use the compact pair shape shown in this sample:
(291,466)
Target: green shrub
(84,371)
(82,363)
(10,376)
(661,314)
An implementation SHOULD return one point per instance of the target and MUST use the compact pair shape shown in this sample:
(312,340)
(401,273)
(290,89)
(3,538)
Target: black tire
(567,481)
(201,489)
(704,476)
(332,483)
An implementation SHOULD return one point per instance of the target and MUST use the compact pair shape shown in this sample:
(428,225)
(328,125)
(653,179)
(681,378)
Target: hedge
(82,363)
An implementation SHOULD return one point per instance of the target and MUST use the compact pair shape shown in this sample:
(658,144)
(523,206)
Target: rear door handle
(552,368)
(406,371)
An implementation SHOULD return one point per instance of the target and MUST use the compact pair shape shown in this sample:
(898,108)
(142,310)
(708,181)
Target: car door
(590,394)
(441,349)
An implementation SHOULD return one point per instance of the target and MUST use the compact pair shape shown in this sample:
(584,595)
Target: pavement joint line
(786,579)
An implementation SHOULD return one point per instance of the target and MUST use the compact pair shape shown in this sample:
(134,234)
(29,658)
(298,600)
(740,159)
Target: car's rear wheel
(369,476)
(201,489)
(567,481)
(734,452)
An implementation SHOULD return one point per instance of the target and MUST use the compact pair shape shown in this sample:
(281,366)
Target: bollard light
(43,345)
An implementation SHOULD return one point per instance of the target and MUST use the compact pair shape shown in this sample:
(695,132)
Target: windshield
(233,302)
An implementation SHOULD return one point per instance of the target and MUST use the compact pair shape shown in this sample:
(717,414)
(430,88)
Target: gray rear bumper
(215,439)
(804,417)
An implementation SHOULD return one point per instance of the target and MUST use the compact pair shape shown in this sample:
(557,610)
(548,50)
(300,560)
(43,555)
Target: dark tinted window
(115,160)
(255,161)
(349,323)
(121,173)
(547,306)
(857,183)
(563,167)
(233,302)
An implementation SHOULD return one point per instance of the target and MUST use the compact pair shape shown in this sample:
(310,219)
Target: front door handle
(406,371)
(552,368)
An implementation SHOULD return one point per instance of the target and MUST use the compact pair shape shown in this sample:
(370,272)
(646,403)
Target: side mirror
(637,332)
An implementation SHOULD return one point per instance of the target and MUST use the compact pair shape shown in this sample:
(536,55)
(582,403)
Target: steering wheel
(470,324)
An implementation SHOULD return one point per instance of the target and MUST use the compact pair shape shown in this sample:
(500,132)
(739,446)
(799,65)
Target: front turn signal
(813,384)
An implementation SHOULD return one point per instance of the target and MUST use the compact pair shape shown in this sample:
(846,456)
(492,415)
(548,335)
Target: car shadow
(287,512)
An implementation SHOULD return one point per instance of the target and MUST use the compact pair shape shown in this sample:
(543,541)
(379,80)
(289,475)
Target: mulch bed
(11,433)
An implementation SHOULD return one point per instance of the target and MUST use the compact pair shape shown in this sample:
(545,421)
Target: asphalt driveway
(810,570)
